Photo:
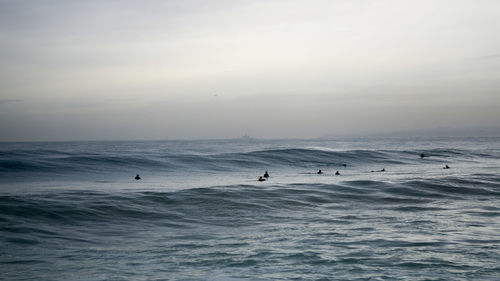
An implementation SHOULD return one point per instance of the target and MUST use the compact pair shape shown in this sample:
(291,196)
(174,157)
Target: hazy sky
(99,70)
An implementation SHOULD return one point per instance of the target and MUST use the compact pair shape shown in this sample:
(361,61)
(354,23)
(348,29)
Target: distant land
(428,132)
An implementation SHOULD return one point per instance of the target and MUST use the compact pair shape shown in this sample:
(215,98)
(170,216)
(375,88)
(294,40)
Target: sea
(73,210)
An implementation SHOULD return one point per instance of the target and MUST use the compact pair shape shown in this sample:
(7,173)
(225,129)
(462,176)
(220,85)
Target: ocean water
(73,211)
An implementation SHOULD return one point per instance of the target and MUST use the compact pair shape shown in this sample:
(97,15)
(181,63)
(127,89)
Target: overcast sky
(187,69)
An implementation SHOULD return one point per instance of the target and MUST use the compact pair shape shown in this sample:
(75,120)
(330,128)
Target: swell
(233,205)
(64,162)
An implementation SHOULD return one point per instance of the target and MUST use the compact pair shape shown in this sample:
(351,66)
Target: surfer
(383,170)
(446,167)
(422,155)
(320,172)
(337,173)
(266,175)
(262,179)
(137,177)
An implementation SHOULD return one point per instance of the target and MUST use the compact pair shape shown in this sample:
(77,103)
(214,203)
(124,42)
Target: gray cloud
(96,69)
(5,101)
(492,56)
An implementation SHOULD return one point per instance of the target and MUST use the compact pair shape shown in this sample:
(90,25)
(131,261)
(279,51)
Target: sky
(194,69)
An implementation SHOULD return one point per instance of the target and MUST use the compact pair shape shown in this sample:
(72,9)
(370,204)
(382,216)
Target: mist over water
(72,211)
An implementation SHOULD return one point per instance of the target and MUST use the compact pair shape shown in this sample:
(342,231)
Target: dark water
(72,211)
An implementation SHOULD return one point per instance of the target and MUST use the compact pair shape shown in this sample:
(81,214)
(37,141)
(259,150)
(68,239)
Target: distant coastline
(423,133)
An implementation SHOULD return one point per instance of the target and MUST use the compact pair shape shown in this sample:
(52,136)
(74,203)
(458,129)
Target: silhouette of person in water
(137,177)
(422,155)
(262,179)
(266,175)
(320,172)
(446,167)
(337,173)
